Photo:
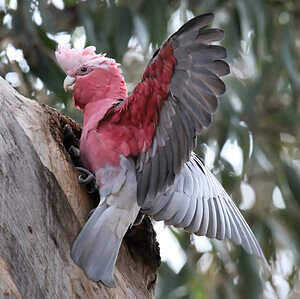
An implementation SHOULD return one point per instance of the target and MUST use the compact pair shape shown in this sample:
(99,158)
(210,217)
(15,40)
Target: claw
(85,176)
(71,143)
(70,136)
(139,219)
(92,188)
(74,151)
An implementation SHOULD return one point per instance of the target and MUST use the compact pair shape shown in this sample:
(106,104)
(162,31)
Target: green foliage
(259,116)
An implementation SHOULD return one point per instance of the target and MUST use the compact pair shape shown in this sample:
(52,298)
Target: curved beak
(69,83)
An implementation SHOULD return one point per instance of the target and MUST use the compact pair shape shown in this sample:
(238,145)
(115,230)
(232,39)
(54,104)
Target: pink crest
(71,59)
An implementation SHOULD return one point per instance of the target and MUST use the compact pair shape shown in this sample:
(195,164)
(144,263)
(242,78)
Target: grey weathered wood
(42,209)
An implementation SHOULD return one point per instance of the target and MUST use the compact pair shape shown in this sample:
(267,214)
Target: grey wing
(198,203)
(192,99)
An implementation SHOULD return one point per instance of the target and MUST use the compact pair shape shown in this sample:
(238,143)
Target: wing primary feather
(194,25)
(169,210)
(187,220)
(181,205)
(218,67)
(143,185)
(204,101)
(221,202)
(221,230)
(256,249)
(185,134)
(188,188)
(235,236)
(189,129)
(163,175)
(227,219)
(179,183)
(201,86)
(178,80)
(192,195)
(153,208)
(154,179)
(181,142)
(196,219)
(161,140)
(249,236)
(205,218)
(198,123)
(210,80)
(201,52)
(245,242)
(170,157)
(208,196)
(175,150)
(213,220)
(140,162)
(198,214)
(210,35)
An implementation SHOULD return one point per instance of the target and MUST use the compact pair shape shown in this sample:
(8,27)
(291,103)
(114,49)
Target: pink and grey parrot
(140,147)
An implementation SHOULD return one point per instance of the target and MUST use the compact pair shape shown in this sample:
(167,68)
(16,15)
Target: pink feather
(70,59)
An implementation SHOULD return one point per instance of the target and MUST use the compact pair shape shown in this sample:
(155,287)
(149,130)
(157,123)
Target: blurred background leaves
(253,146)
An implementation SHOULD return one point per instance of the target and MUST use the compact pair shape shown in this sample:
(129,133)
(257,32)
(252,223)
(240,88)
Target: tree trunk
(43,208)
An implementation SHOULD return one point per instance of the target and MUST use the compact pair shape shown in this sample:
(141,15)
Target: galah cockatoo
(140,147)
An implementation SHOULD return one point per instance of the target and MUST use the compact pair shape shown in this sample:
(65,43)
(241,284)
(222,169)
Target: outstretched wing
(198,203)
(174,102)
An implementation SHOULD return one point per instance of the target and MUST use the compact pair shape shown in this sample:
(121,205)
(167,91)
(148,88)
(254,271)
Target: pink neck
(97,108)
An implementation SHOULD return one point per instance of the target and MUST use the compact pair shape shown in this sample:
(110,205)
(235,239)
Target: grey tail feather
(96,248)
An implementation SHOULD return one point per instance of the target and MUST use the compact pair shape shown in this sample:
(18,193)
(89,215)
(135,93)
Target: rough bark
(43,207)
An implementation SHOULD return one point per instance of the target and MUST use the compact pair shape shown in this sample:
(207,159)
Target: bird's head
(90,76)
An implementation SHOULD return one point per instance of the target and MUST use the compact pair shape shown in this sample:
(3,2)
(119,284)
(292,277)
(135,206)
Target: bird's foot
(71,143)
(88,179)
(74,152)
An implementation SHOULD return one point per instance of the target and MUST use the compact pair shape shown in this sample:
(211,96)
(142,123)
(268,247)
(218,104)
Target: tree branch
(43,208)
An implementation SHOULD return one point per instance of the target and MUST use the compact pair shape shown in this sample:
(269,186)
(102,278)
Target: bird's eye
(83,70)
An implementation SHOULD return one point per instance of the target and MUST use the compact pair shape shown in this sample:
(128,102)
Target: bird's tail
(96,248)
